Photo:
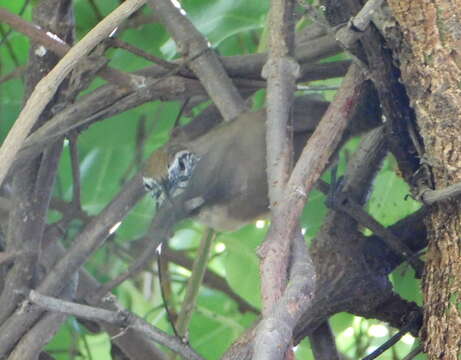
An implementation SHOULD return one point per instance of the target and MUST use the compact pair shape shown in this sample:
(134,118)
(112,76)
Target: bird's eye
(181,163)
(181,169)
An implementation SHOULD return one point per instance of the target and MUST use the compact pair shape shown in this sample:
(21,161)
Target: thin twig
(60,48)
(211,279)
(96,10)
(413,353)
(16,72)
(180,112)
(8,33)
(135,268)
(164,279)
(194,283)
(141,53)
(350,207)
(413,320)
(9,48)
(74,159)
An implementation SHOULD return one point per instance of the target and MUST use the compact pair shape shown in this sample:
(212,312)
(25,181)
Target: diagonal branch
(47,87)
(59,47)
(85,244)
(193,285)
(206,64)
(285,220)
(323,143)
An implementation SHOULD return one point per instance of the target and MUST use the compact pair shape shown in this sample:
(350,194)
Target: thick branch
(323,343)
(275,331)
(206,65)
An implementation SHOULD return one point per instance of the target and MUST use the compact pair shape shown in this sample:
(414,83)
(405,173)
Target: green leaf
(314,212)
(303,351)
(242,264)
(406,285)
(389,201)
(222,19)
(216,324)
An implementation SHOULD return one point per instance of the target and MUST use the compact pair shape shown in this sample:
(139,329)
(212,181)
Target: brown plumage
(157,165)
(228,186)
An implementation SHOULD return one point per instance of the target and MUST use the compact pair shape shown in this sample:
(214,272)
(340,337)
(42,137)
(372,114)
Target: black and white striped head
(170,178)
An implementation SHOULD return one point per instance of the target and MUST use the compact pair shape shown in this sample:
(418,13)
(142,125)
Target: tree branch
(123,319)
(47,87)
(60,47)
(205,65)
(323,343)
(193,285)
(85,244)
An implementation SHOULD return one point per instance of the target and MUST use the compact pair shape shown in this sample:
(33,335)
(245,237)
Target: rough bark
(430,61)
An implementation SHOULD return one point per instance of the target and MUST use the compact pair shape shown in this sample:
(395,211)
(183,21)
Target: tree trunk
(430,61)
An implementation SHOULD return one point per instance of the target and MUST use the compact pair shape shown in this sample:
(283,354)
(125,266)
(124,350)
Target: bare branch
(275,331)
(350,33)
(430,196)
(74,159)
(323,343)
(323,142)
(123,319)
(60,48)
(281,305)
(33,184)
(47,87)
(141,53)
(43,331)
(206,65)
(85,244)
(193,286)
(82,311)
(353,209)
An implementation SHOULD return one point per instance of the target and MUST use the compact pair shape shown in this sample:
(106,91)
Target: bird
(218,178)
(168,173)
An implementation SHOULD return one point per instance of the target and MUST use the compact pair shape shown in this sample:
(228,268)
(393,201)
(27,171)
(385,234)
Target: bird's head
(167,173)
